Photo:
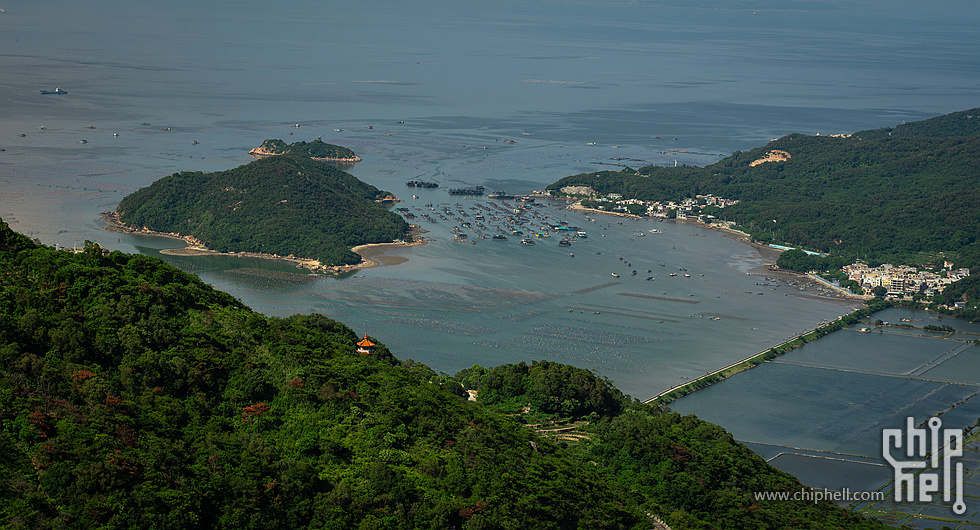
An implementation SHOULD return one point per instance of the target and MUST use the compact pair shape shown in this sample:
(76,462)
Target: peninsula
(904,195)
(317,150)
(286,206)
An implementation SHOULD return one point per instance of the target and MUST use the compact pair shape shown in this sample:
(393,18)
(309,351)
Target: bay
(155,89)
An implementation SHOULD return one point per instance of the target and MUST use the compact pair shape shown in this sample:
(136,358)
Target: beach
(372,255)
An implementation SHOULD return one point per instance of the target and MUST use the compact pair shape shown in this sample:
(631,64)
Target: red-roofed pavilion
(365,346)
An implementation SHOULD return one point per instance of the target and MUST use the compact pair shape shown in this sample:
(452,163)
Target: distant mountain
(284,205)
(902,194)
(316,150)
(133,395)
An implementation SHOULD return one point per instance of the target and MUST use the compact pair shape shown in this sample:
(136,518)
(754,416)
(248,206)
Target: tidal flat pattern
(623,360)
(524,316)
(583,334)
(411,294)
(664,298)
(445,326)
(595,288)
(622,326)
(276,276)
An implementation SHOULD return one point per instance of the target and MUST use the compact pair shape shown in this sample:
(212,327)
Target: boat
(614,275)
(673,274)
(58,91)
(527,241)
(421,184)
(564,243)
(499,237)
(582,234)
(686,275)
(466,191)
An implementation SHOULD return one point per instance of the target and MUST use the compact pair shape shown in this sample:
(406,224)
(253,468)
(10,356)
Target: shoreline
(258,152)
(369,252)
(729,232)
(742,237)
(716,376)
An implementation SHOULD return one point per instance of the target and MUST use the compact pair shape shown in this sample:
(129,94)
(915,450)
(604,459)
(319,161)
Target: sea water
(431,91)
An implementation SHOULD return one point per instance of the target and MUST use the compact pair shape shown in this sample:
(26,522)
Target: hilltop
(906,194)
(286,205)
(133,395)
(317,150)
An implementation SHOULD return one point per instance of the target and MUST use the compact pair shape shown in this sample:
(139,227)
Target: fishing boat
(421,184)
(58,91)
(478,190)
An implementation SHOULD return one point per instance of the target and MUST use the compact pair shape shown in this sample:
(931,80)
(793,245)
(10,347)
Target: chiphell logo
(941,447)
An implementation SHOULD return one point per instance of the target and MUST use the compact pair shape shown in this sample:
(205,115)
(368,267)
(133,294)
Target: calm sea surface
(431,90)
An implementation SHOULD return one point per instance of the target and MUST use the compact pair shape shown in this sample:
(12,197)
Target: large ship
(55,91)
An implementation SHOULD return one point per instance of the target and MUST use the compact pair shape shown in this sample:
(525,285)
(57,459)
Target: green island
(134,395)
(317,150)
(902,195)
(285,206)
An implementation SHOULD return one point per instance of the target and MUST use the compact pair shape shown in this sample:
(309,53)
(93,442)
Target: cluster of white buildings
(687,208)
(900,279)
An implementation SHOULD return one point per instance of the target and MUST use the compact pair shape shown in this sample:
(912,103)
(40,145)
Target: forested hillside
(314,149)
(287,204)
(903,194)
(132,395)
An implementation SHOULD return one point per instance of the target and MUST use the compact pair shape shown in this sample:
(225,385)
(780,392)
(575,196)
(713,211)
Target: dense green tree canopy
(132,395)
(314,149)
(285,205)
(899,195)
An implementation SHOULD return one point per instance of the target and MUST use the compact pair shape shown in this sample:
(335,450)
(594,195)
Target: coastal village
(689,208)
(900,280)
